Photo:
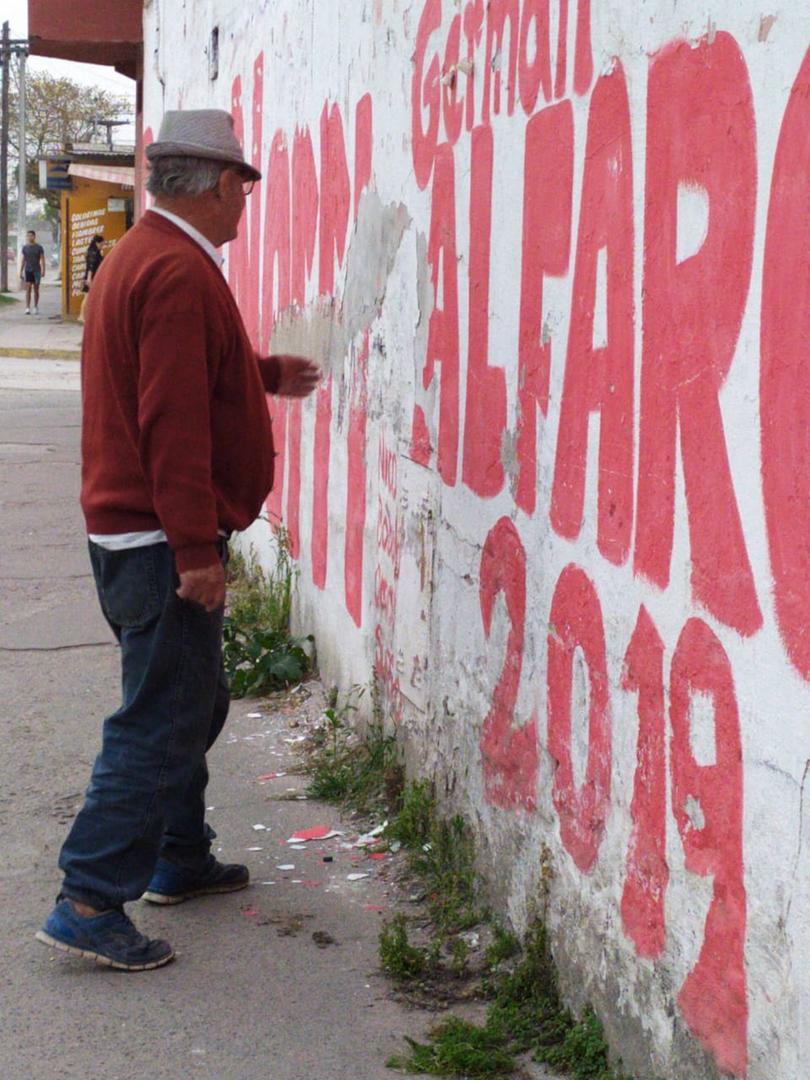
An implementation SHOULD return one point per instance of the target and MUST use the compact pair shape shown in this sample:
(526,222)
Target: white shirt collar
(195,234)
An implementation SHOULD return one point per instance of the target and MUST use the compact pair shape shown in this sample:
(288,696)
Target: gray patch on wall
(325,329)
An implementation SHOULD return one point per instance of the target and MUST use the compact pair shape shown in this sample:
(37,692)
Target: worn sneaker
(36,311)
(28,311)
(109,938)
(173,884)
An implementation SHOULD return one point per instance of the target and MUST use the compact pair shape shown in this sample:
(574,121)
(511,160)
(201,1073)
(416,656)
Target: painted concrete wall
(555,490)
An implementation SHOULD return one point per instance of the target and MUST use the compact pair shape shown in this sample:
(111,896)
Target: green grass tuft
(259,653)
(358,773)
(457,1048)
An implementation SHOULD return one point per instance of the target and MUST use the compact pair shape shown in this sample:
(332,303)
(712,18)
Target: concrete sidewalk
(251,995)
(42,335)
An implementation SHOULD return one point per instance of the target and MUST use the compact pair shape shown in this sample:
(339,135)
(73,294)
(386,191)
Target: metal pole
(5,58)
(22,217)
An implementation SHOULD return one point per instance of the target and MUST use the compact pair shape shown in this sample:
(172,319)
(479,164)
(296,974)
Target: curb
(41,354)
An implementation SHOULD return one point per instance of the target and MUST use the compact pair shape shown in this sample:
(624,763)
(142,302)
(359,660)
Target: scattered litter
(267,882)
(286,866)
(301,798)
(254,716)
(395,847)
(370,837)
(355,877)
(328,858)
(373,907)
(377,855)
(322,939)
(250,912)
(210,808)
(254,849)
(318,832)
(297,847)
(268,776)
(297,881)
(260,828)
(427,847)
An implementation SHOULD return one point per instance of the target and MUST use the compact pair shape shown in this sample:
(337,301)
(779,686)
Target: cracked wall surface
(552,494)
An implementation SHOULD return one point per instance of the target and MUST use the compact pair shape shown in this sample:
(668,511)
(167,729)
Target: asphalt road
(251,996)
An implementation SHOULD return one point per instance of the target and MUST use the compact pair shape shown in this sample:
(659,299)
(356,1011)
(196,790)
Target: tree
(58,111)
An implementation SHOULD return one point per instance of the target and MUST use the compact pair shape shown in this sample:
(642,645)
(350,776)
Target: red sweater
(175,433)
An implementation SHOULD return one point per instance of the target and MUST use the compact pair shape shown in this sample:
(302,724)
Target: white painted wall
(319,51)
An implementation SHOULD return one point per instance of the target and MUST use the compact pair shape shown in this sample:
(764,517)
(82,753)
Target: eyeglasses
(247,186)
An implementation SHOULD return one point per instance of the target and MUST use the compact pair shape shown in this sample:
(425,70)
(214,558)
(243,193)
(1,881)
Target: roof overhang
(107,174)
(90,31)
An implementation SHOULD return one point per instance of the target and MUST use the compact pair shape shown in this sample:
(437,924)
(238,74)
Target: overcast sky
(16,11)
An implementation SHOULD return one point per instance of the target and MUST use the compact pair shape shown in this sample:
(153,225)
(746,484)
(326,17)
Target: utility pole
(5,63)
(22,216)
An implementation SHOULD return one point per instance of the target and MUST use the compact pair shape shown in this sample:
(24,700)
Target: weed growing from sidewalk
(260,655)
(526,1016)
(526,1013)
(442,855)
(358,770)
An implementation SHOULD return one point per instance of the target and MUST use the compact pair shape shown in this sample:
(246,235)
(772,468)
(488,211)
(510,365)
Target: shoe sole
(102,961)
(178,898)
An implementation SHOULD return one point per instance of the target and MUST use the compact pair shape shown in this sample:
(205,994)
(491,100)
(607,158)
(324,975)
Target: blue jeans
(146,797)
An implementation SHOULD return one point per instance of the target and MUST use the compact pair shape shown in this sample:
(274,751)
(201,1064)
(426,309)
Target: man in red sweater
(177,452)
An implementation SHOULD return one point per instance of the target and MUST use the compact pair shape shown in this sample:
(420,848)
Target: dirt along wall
(553,493)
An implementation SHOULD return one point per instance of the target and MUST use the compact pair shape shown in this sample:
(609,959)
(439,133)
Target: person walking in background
(32,270)
(177,451)
(92,262)
(93,259)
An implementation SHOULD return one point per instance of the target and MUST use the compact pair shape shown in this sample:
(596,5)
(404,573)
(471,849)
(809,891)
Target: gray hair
(173,176)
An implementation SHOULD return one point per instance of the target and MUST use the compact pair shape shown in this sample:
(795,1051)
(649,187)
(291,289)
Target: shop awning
(107,174)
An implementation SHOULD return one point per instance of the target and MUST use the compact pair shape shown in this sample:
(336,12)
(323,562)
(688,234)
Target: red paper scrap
(250,912)
(377,855)
(269,776)
(373,907)
(319,832)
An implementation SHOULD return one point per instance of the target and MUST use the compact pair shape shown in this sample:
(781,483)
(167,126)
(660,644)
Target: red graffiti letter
(510,755)
(599,377)
(785,374)
(485,420)
(498,12)
(576,626)
(647,871)
(452,108)
(700,131)
(276,237)
(425,91)
(443,343)
(707,802)
(533,76)
(245,252)
(548,178)
(335,197)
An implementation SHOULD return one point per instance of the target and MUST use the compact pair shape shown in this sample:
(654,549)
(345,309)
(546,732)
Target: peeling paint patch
(320,330)
(765,26)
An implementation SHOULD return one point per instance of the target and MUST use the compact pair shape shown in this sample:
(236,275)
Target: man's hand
(298,376)
(205,587)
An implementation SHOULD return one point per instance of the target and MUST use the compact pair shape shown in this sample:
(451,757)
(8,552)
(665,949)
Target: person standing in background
(32,270)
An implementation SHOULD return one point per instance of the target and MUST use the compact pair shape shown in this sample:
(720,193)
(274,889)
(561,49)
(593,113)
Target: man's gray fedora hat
(200,133)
